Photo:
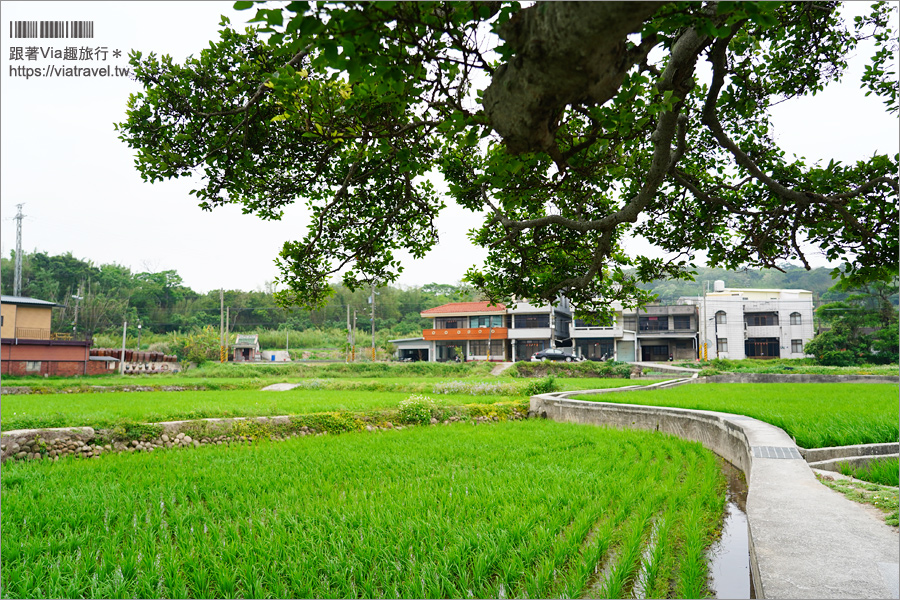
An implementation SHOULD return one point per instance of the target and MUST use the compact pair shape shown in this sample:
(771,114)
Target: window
(762,319)
(796,319)
(480,348)
(654,323)
(721,319)
(797,346)
(682,321)
(722,345)
(532,321)
(32,366)
(450,322)
(486,321)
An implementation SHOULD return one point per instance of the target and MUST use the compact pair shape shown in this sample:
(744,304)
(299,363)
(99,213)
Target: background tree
(564,122)
(859,327)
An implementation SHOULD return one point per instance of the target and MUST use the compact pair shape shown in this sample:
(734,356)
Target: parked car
(554,354)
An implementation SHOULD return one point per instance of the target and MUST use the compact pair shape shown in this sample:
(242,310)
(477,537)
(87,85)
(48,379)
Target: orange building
(469,330)
(29,347)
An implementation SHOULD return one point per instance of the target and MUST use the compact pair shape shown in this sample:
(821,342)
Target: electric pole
(353,339)
(372,300)
(349,335)
(17,274)
(221,325)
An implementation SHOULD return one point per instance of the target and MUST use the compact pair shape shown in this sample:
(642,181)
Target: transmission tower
(17,277)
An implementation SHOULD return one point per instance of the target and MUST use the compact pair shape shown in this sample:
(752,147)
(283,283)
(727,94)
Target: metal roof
(25,301)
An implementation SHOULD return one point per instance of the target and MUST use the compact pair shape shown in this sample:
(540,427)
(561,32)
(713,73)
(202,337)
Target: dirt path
(501,367)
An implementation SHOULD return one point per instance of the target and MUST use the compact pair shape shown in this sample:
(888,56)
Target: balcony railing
(32,333)
(39,333)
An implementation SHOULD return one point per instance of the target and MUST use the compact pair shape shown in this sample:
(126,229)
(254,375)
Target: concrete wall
(722,437)
(798,378)
(797,550)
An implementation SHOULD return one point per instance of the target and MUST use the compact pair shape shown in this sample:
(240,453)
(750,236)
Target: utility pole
(705,353)
(353,339)
(221,325)
(17,274)
(77,298)
(349,336)
(372,301)
(122,358)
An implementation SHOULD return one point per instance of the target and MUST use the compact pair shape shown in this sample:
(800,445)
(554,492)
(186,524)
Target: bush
(544,385)
(416,410)
(198,346)
(708,372)
(609,368)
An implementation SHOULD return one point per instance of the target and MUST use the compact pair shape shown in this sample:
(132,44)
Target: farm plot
(535,508)
(24,411)
(816,415)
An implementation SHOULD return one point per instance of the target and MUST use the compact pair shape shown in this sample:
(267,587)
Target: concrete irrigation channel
(805,540)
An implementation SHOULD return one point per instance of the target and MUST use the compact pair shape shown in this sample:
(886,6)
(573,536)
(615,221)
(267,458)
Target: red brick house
(29,347)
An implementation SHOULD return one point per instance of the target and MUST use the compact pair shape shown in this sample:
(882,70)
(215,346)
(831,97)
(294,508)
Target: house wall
(55,359)
(8,326)
(31,323)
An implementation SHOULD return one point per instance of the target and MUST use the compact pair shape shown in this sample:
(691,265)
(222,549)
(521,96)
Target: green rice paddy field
(816,415)
(23,411)
(518,509)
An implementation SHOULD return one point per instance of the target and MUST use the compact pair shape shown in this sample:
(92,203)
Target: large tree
(568,124)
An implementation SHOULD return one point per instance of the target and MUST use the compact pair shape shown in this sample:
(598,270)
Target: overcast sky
(62,158)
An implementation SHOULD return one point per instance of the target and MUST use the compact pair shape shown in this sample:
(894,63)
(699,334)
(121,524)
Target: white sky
(62,158)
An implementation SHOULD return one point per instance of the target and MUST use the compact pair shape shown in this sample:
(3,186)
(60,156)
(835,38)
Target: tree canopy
(567,124)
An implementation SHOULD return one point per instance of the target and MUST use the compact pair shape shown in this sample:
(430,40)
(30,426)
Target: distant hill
(817,281)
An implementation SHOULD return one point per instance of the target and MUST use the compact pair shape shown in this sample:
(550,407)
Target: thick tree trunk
(566,52)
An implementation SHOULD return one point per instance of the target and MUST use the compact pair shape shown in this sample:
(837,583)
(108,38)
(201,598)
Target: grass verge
(881,497)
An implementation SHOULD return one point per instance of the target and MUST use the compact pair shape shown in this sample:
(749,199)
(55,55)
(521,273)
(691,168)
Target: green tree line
(106,295)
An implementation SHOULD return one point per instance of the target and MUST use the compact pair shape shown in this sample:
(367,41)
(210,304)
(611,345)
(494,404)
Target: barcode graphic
(51,29)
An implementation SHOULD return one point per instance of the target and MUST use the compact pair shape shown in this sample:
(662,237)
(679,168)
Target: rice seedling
(531,508)
(816,415)
(882,472)
(26,411)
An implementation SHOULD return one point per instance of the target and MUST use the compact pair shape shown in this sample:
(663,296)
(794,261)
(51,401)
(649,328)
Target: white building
(741,323)
(535,327)
(604,341)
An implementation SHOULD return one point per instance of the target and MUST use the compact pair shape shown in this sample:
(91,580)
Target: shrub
(609,368)
(416,410)
(476,389)
(332,422)
(544,385)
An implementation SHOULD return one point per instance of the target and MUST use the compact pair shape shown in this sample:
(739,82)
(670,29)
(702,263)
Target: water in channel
(729,557)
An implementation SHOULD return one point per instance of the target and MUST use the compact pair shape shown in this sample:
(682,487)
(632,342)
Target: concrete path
(280,387)
(806,540)
(665,367)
